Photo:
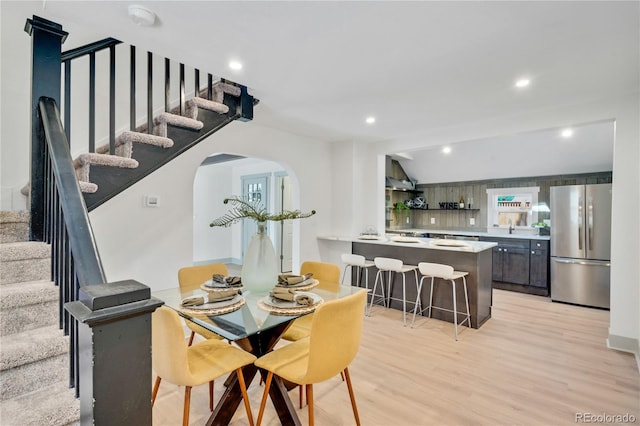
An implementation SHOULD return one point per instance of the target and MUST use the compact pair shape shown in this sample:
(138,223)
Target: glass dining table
(256,327)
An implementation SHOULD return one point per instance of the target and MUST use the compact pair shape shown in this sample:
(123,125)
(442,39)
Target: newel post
(46,52)
(114,339)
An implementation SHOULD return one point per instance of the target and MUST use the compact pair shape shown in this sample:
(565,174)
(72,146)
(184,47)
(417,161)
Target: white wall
(151,244)
(211,184)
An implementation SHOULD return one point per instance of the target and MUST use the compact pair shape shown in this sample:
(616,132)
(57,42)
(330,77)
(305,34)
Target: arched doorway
(224,175)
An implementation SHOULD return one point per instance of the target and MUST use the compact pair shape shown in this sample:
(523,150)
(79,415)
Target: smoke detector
(141,15)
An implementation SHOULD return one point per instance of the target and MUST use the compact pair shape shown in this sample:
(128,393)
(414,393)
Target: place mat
(211,289)
(303,286)
(216,308)
(288,308)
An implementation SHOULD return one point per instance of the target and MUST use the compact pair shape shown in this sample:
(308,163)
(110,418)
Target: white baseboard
(222,260)
(625,344)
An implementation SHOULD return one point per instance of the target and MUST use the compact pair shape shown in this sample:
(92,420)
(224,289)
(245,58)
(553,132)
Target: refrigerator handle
(590,224)
(580,224)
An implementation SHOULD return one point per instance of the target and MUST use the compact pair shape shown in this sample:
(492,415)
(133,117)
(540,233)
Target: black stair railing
(108,323)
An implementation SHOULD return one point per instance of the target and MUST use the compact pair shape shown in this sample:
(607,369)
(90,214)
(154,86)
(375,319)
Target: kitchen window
(512,207)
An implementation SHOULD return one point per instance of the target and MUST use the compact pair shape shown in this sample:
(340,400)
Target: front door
(255,188)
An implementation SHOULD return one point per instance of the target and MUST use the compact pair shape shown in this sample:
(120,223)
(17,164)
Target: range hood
(402,185)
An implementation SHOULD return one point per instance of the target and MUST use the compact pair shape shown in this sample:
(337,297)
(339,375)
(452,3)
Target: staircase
(37,367)
(34,353)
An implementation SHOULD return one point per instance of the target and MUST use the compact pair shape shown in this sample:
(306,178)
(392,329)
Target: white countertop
(499,233)
(415,242)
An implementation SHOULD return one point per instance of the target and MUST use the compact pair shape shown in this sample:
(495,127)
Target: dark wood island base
(476,263)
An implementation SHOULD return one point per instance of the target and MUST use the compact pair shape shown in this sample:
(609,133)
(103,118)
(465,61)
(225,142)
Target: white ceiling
(320,68)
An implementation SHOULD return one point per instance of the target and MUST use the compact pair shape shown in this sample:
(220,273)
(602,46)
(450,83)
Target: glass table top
(251,318)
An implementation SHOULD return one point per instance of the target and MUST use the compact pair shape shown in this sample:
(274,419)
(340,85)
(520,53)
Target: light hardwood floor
(533,363)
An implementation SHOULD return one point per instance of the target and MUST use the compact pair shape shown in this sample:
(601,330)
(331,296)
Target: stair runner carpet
(34,354)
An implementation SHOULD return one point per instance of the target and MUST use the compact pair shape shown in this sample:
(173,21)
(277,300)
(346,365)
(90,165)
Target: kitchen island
(474,257)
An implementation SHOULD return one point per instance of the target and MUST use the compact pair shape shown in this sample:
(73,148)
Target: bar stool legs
(445,272)
(359,263)
(391,266)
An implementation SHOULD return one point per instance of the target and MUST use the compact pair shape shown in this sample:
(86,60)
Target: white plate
(369,237)
(217,305)
(404,240)
(450,243)
(284,304)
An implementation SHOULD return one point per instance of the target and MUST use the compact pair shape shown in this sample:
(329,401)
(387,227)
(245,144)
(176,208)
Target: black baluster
(196,81)
(149,92)
(181,89)
(92,102)
(67,100)
(132,90)
(112,100)
(209,86)
(167,85)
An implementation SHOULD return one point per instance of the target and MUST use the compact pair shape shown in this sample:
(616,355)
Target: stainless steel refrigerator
(581,244)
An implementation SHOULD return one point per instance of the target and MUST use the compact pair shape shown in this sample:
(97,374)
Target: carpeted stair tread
(124,143)
(51,405)
(220,88)
(27,293)
(23,250)
(194,103)
(33,345)
(175,120)
(104,160)
(88,187)
(14,226)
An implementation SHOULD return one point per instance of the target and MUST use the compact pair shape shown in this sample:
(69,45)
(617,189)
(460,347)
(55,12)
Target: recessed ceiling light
(567,133)
(235,65)
(370,120)
(446,150)
(523,82)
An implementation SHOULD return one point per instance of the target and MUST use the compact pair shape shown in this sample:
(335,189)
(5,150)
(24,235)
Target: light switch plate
(151,201)
(472,221)
(433,220)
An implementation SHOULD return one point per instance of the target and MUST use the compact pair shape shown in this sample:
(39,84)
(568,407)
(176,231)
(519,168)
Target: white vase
(260,266)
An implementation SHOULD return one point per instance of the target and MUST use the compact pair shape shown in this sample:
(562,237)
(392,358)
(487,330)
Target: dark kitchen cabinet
(520,265)
(511,260)
(539,264)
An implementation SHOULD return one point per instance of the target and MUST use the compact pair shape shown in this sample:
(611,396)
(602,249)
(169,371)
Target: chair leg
(342,376)
(404,300)
(455,310)
(310,403)
(245,397)
(156,386)
(344,273)
(300,392)
(187,404)
(379,275)
(211,395)
(193,334)
(352,396)
(466,301)
(415,308)
(265,394)
(431,296)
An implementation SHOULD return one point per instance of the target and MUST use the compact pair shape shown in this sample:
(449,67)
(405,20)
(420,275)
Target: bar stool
(359,263)
(385,264)
(445,272)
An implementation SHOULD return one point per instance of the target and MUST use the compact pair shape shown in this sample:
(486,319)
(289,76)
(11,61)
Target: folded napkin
(218,296)
(227,281)
(290,279)
(291,296)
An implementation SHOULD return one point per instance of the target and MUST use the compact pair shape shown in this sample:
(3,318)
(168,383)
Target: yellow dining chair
(328,275)
(195,365)
(190,278)
(334,341)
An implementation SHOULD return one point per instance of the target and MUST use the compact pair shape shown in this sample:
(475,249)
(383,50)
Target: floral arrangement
(243,208)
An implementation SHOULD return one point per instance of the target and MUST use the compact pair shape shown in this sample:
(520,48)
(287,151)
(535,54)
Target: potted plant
(402,211)
(259,266)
